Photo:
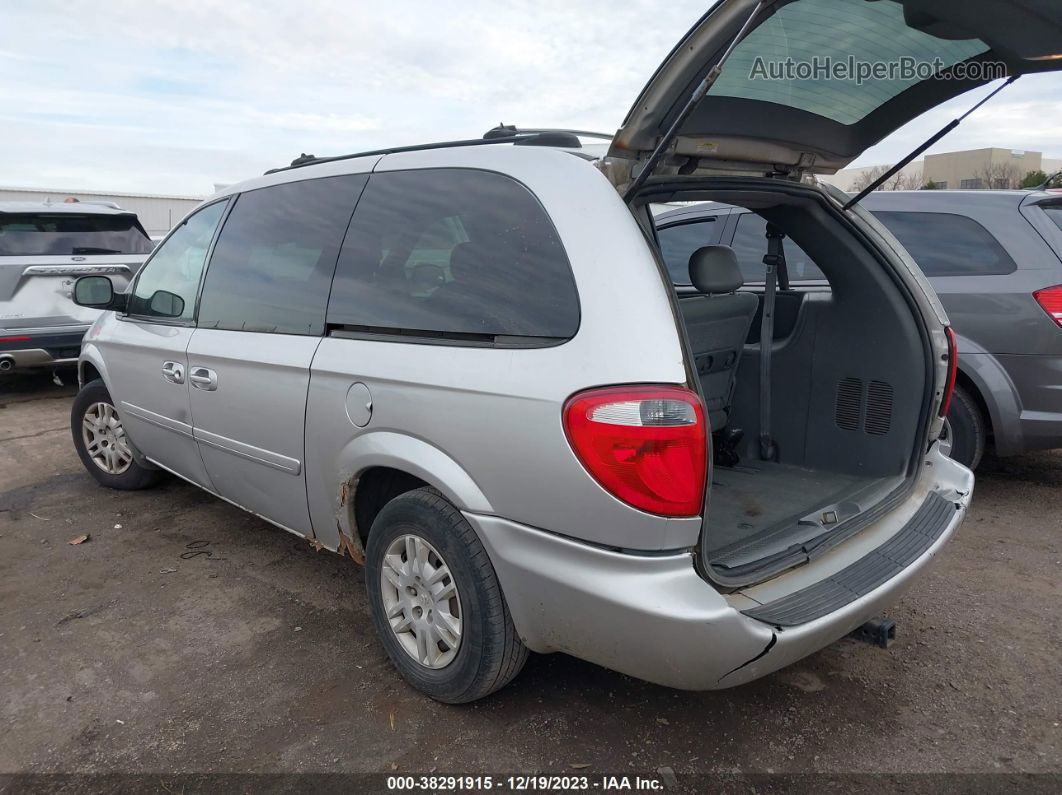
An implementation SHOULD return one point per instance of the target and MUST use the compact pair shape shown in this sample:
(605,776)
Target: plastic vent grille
(849,403)
(879,408)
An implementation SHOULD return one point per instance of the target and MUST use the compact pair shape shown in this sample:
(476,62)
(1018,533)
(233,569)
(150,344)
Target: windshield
(59,234)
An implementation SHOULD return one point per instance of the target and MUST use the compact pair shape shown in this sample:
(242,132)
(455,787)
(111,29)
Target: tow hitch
(879,631)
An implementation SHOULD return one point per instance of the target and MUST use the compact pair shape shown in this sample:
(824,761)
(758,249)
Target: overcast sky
(164,97)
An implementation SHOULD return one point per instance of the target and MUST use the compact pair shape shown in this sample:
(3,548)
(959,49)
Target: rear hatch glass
(66,234)
(814,83)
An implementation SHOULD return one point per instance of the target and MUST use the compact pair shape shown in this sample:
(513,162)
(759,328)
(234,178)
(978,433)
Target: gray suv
(464,365)
(993,257)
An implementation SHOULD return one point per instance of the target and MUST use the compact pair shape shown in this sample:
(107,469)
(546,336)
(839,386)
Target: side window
(678,242)
(428,264)
(944,244)
(274,260)
(453,252)
(750,245)
(168,283)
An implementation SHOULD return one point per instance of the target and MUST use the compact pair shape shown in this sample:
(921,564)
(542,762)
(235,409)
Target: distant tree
(1033,179)
(912,180)
(931,185)
(999,176)
(868,177)
(895,182)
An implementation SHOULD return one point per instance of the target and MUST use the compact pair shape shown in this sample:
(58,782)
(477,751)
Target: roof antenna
(691,103)
(873,186)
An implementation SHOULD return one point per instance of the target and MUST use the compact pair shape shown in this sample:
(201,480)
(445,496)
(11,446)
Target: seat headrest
(714,270)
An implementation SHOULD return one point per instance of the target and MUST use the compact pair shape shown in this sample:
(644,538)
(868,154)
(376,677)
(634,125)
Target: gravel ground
(188,636)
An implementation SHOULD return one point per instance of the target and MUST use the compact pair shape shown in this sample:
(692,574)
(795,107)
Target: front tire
(965,429)
(436,602)
(102,444)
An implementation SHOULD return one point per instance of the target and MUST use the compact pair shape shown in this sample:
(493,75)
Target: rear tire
(966,426)
(101,442)
(488,653)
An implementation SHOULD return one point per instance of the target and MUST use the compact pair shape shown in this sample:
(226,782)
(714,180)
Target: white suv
(43,249)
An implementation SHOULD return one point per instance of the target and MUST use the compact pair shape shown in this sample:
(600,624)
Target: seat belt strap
(776,272)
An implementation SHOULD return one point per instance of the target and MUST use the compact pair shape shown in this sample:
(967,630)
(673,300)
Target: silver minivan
(464,365)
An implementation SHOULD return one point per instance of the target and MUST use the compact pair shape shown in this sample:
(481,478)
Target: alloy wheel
(105,439)
(421,601)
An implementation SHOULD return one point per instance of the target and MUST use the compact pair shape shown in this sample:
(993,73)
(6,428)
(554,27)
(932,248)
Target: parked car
(993,257)
(43,249)
(539,451)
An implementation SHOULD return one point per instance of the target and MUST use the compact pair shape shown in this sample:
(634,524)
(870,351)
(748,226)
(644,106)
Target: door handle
(173,372)
(203,378)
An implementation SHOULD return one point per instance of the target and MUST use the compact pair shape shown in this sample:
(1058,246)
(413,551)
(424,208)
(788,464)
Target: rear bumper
(655,618)
(27,348)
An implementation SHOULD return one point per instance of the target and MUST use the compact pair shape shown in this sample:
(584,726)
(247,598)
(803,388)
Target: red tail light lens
(646,445)
(1050,301)
(953,367)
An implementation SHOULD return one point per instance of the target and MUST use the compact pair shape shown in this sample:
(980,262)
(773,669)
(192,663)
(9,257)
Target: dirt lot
(187,636)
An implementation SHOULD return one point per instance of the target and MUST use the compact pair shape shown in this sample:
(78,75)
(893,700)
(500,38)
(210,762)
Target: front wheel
(436,602)
(963,438)
(101,441)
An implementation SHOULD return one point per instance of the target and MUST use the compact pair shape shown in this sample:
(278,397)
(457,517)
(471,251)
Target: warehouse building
(973,169)
(157,212)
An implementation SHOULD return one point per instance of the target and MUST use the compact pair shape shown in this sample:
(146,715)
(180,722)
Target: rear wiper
(94,250)
(873,186)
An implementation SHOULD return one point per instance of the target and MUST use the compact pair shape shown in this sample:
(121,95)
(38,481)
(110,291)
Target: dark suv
(993,258)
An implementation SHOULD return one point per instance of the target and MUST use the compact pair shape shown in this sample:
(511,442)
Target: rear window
(792,59)
(678,242)
(452,252)
(945,244)
(63,234)
(750,246)
(1054,212)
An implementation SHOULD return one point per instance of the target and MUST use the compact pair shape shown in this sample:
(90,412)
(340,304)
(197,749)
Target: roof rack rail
(498,135)
(509,129)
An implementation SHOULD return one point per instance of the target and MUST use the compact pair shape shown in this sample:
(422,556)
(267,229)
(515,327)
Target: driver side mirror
(97,292)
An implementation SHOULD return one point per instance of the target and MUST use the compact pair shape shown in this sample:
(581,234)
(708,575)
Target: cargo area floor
(752,502)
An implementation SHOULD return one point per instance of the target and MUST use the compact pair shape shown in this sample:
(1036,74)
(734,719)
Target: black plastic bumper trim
(50,342)
(866,574)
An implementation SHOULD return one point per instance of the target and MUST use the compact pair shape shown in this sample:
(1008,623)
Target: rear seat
(717,324)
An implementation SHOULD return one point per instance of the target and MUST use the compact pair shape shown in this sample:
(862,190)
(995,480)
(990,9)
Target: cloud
(175,95)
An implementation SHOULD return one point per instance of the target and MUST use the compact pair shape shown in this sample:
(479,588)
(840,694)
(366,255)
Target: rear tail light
(1050,300)
(953,367)
(646,445)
